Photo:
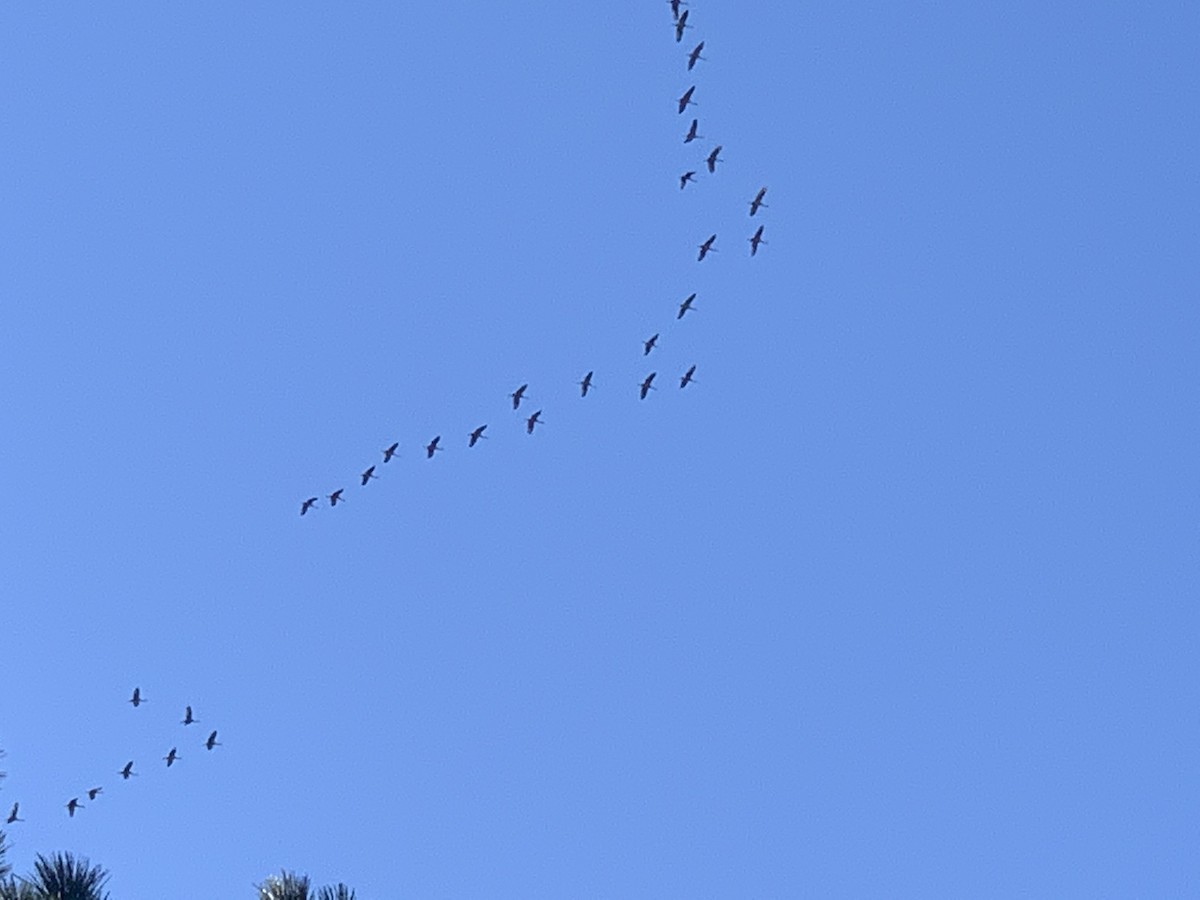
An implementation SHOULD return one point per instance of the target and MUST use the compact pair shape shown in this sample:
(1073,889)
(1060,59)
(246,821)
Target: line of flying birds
(647,384)
(126,772)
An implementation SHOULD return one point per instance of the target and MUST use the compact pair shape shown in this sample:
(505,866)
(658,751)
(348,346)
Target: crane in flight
(692,132)
(685,306)
(647,386)
(12,816)
(680,25)
(695,55)
(94,792)
(687,377)
(518,395)
(675,4)
(72,805)
(586,384)
(336,497)
(127,771)
(531,421)
(714,158)
(212,741)
(304,507)
(756,239)
(758,201)
(137,699)
(368,475)
(474,436)
(187,716)
(649,345)
(685,178)
(432,447)
(707,247)
(171,757)
(686,100)
(389,452)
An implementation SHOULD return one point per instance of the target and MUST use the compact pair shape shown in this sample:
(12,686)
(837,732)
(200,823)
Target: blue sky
(898,600)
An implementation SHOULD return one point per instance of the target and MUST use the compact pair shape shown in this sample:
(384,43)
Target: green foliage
(290,886)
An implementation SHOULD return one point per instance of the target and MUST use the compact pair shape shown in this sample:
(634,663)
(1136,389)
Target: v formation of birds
(126,772)
(680,16)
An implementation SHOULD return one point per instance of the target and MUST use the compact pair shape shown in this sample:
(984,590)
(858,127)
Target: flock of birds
(756,203)
(126,772)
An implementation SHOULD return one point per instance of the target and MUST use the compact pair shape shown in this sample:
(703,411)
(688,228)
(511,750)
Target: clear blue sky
(900,599)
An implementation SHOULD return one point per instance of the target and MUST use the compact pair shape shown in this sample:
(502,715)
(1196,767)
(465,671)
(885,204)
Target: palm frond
(285,886)
(64,876)
(335,892)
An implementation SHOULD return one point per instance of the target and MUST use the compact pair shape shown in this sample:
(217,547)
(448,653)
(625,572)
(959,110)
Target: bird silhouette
(675,4)
(691,133)
(137,699)
(187,716)
(685,178)
(707,248)
(389,452)
(72,805)
(368,475)
(93,792)
(127,771)
(171,757)
(714,158)
(685,306)
(758,201)
(518,395)
(687,377)
(12,816)
(647,386)
(212,741)
(695,55)
(304,507)
(756,239)
(336,497)
(686,100)
(649,345)
(475,435)
(680,24)
(432,447)
(531,421)
(586,384)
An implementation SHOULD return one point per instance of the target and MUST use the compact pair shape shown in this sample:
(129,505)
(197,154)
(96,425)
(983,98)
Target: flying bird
(187,716)
(304,507)
(476,435)
(531,421)
(692,135)
(675,4)
(707,247)
(647,386)
(127,771)
(687,377)
(518,395)
(685,306)
(695,55)
(212,741)
(336,496)
(686,100)
(72,805)
(92,792)
(756,239)
(647,346)
(389,452)
(758,201)
(12,816)
(685,178)
(680,24)
(714,158)
(368,475)
(432,447)
(171,757)
(136,699)
(585,385)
